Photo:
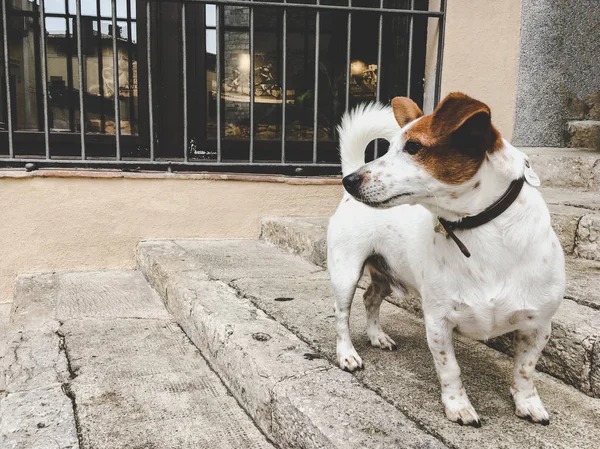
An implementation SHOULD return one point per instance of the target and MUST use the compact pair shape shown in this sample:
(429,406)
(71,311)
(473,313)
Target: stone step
(583,134)
(566,168)
(196,278)
(95,361)
(294,395)
(570,352)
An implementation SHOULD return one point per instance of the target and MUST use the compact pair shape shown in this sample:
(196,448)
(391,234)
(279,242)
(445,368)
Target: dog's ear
(466,122)
(405,110)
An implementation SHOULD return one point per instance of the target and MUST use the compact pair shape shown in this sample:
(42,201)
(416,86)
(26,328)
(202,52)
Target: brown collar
(499,206)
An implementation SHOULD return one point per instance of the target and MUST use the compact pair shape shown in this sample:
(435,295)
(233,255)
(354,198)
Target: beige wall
(481,52)
(82,223)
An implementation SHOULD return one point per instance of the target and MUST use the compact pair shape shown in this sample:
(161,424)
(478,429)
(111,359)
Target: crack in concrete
(66,386)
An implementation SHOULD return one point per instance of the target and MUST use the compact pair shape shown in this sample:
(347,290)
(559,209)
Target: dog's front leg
(454,397)
(528,347)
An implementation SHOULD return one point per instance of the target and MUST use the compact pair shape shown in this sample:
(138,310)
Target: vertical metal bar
(378,85)
(149,71)
(116,79)
(185,94)
(316,93)
(218,60)
(44,64)
(251,158)
(284,84)
(11,153)
(410,49)
(348,56)
(81,83)
(440,54)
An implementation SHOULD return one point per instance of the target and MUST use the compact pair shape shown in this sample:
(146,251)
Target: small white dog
(451,213)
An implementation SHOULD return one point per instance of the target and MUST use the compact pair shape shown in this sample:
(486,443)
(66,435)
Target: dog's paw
(383,341)
(528,405)
(460,410)
(350,360)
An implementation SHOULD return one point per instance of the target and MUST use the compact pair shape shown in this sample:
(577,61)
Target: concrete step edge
(262,273)
(274,375)
(569,355)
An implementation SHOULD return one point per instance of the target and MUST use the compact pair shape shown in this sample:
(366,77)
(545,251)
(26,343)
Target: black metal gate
(221,85)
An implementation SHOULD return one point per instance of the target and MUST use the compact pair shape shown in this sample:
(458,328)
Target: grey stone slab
(584,200)
(232,259)
(565,220)
(172,258)
(38,419)
(31,359)
(584,134)
(583,282)
(72,295)
(272,372)
(587,242)
(407,377)
(141,383)
(304,236)
(4,315)
(565,167)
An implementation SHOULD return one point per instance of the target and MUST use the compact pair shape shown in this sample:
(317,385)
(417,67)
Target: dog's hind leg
(373,296)
(528,347)
(344,272)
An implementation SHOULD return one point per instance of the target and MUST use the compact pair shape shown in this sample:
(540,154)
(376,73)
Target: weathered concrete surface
(565,220)
(40,418)
(583,282)
(584,200)
(267,368)
(4,314)
(305,236)
(583,134)
(141,383)
(587,242)
(405,378)
(566,168)
(131,373)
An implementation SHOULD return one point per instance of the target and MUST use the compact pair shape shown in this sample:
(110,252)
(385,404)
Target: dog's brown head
(431,153)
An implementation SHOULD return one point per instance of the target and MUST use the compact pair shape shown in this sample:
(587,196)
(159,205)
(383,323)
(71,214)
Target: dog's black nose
(352,182)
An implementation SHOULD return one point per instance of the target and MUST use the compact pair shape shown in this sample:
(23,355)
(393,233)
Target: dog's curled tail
(364,123)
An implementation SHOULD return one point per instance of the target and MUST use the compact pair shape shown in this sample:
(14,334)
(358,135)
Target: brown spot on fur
(435,341)
(456,138)
(453,195)
(530,363)
(522,372)
(546,337)
(452,398)
(446,385)
(476,186)
(442,352)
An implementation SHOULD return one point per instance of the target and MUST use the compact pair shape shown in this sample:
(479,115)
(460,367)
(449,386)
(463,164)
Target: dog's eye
(412,147)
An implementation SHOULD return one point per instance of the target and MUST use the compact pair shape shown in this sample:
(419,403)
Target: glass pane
(267,79)
(128,88)
(236,77)
(211,87)
(211,15)
(24,72)
(300,77)
(55,6)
